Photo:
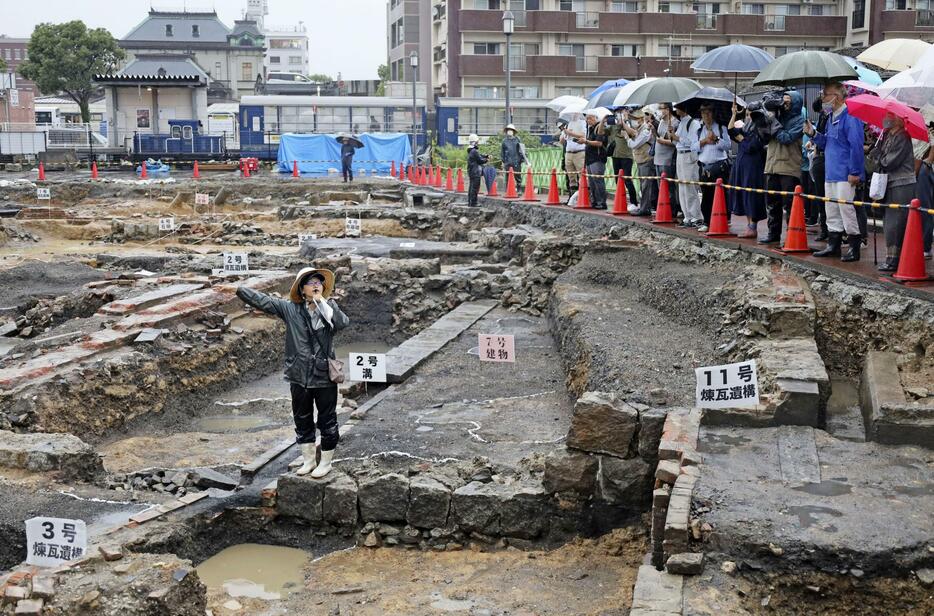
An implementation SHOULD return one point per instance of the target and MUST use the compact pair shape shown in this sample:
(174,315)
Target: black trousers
(708,193)
(347,168)
(817,176)
(304,402)
(626,165)
(777,205)
(473,190)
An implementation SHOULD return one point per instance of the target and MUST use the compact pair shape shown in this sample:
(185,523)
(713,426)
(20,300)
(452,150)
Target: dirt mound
(37,279)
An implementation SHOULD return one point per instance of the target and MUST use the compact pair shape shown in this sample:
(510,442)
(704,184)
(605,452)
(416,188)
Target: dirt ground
(592,577)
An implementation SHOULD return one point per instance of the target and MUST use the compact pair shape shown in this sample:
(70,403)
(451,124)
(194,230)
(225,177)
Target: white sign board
(352,226)
(407,245)
(236,262)
(166,224)
(53,541)
(368,367)
(14,98)
(44,193)
(729,386)
(306,236)
(498,348)
(202,198)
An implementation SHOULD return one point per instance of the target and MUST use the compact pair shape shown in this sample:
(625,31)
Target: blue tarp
(316,154)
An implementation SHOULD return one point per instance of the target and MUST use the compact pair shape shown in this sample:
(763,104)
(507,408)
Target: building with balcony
(286,46)
(569,46)
(232,59)
(410,28)
(876,20)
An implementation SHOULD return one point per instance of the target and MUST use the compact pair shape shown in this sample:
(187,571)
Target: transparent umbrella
(558,104)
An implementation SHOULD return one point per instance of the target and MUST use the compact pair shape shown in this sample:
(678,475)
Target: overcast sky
(346,36)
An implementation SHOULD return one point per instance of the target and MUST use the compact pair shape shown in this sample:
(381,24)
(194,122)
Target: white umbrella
(558,104)
(627,90)
(914,87)
(895,54)
(598,112)
(572,110)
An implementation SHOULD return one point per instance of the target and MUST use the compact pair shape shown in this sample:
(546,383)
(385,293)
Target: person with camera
(621,153)
(311,319)
(845,167)
(475,163)
(572,136)
(595,161)
(783,158)
(684,138)
(752,136)
(713,152)
(639,134)
(894,156)
(664,158)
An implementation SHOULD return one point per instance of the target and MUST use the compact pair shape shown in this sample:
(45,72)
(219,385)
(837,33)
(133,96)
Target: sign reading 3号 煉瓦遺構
(53,541)
(236,262)
(368,367)
(729,386)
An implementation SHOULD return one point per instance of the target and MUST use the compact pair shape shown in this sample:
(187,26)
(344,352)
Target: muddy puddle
(254,571)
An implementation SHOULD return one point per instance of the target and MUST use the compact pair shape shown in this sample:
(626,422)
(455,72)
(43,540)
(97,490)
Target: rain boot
(833,245)
(325,466)
(855,241)
(308,454)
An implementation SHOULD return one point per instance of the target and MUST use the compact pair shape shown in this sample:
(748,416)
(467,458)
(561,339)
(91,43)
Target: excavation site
(519,423)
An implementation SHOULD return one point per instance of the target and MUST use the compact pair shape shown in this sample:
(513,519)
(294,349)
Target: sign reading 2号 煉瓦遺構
(729,386)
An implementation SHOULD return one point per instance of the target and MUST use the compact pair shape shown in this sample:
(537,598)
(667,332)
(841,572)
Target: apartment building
(286,46)
(409,29)
(13,51)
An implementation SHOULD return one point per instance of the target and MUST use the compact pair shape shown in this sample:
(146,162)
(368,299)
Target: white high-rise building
(286,46)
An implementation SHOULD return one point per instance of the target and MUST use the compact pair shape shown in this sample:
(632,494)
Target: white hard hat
(473,139)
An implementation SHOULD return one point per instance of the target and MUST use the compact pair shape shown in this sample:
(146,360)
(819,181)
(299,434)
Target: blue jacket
(842,142)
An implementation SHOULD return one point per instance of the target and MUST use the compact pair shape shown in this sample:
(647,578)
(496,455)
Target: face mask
(828,108)
(510,133)
(887,123)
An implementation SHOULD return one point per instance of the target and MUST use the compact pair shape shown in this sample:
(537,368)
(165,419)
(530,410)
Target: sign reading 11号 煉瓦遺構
(729,386)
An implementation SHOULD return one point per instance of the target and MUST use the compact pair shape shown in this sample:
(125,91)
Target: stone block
(651,423)
(384,498)
(657,593)
(300,497)
(41,452)
(668,471)
(206,478)
(339,504)
(685,563)
(429,502)
(29,607)
(475,507)
(625,482)
(888,416)
(572,472)
(525,512)
(43,586)
(111,552)
(603,423)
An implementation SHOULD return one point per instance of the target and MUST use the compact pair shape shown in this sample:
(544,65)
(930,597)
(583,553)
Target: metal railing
(707,21)
(776,23)
(516,62)
(521,19)
(924,18)
(586,19)
(586,64)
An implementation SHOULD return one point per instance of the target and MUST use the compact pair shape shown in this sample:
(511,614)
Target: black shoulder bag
(335,366)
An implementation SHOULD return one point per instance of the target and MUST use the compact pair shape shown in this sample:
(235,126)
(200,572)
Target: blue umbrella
(604,98)
(612,83)
(866,75)
(735,58)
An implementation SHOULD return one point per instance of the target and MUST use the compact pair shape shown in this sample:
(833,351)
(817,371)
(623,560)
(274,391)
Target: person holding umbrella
(640,133)
(713,147)
(749,170)
(894,156)
(845,168)
(664,158)
(595,161)
(621,153)
(783,159)
(349,146)
(683,138)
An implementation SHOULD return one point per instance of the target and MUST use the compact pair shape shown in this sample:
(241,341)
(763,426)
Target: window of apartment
(624,7)
(484,92)
(246,71)
(571,5)
(670,7)
(16,54)
(628,51)
(217,70)
(780,51)
(487,5)
(858,18)
(750,8)
(896,5)
(570,49)
(274,59)
(569,91)
(671,51)
(195,31)
(7,53)
(293,60)
(816,10)
(169,30)
(487,49)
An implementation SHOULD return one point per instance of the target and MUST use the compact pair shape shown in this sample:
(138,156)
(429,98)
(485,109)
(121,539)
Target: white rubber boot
(325,466)
(308,453)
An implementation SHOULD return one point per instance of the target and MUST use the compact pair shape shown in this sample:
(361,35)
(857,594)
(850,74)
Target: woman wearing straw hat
(311,319)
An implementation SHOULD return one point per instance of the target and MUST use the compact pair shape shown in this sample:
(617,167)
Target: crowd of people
(770,144)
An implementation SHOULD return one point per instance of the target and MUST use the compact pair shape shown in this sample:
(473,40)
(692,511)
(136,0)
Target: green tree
(383,73)
(493,146)
(2,66)
(65,57)
(321,78)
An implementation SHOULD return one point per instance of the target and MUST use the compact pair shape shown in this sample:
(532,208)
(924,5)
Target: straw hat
(295,293)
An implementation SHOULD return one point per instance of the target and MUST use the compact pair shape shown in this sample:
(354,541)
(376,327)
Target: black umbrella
(353,140)
(720,98)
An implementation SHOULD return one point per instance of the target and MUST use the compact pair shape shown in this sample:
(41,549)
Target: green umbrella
(803,67)
(663,90)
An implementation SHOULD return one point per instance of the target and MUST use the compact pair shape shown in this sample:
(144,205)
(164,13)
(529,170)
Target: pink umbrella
(872,109)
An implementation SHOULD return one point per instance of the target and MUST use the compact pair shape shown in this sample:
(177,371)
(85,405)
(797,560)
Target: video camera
(773,101)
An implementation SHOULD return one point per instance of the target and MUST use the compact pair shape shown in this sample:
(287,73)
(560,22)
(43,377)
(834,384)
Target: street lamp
(413,62)
(508,27)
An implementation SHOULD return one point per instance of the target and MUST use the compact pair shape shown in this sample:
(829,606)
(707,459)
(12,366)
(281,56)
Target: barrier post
(529,194)
(583,194)
(449,184)
(911,260)
(511,186)
(460,180)
(553,196)
(796,238)
(719,221)
(620,204)
(663,207)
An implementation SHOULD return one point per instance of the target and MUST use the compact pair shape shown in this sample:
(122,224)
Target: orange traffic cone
(492,192)
(195,172)
(449,184)
(553,197)
(401,172)
(295,172)
(93,169)
(620,204)
(392,168)
(583,194)
(511,186)
(663,207)
(142,174)
(246,169)
(460,180)
(719,221)
(796,239)
(911,260)
(529,194)
(439,177)
(41,172)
